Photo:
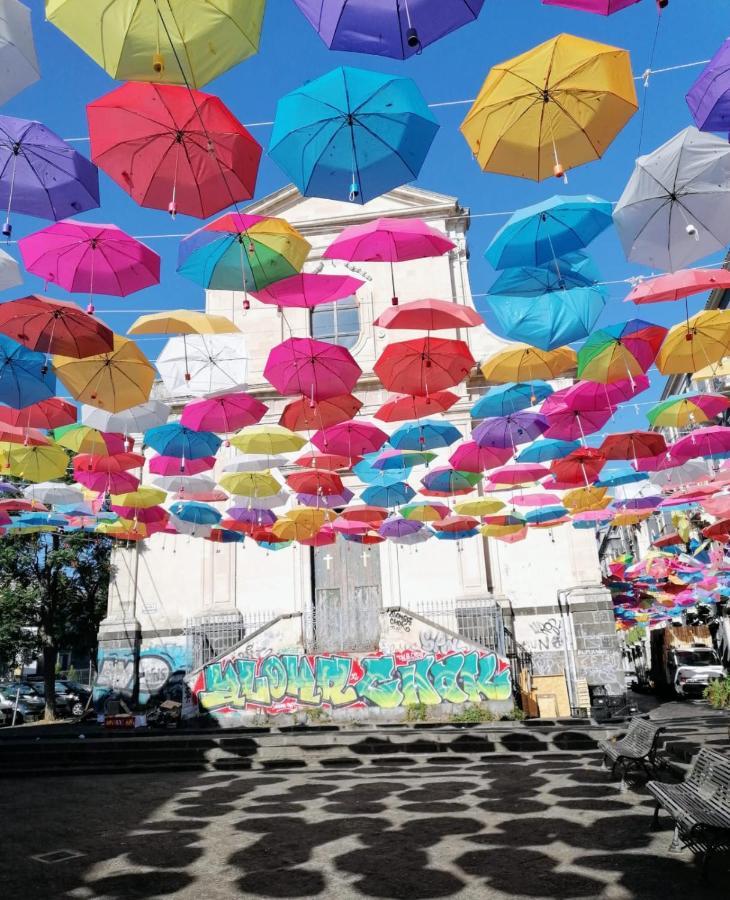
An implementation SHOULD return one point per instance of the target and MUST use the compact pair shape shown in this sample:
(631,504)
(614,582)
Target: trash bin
(600,710)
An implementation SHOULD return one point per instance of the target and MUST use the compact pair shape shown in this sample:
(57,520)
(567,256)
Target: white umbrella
(190,528)
(53,493)
(687,473)
(18,60)
(185,484)
(202,364)
(417,537)
(271,502)
(676,207)
(10,276)
(255,462)
(135,420)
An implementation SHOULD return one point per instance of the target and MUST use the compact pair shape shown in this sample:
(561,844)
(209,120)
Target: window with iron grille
(338,323)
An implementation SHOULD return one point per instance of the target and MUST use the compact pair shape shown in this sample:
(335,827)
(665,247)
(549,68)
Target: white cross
(328,561)
(365,555)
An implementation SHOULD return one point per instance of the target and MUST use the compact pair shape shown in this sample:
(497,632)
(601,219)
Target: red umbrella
(429,315)
(323,538)
(51,413)
(470,457)
(175,465)
(307,291)
(315,369)
(20,505)
(173,148)
(582,466)
(455,523)
(373,515)
(633,445)
(423,365)
(407,407)
(350,439)
(677,285)
(315,481)
(307,415)
(54,326)
(328,462)
(720,531)
(117,462)
(31,437)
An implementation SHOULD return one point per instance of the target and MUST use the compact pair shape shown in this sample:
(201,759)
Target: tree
(53,595)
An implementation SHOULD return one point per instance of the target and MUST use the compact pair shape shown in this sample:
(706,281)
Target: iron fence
(212,635)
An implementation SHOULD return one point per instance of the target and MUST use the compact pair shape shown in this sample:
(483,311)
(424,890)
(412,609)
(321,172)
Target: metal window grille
(337,323)
(212,635)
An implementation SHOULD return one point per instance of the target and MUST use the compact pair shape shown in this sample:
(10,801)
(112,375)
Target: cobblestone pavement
(548,826)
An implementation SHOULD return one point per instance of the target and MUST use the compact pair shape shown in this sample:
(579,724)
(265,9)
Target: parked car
(68,703)
(30,705)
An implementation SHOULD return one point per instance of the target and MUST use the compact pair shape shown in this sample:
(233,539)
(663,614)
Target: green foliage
(634,635)
(415,712)
(717,693)
(473,714)
(72,674)
(515,715)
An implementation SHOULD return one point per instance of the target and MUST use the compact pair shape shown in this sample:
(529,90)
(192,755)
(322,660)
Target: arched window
(338,323)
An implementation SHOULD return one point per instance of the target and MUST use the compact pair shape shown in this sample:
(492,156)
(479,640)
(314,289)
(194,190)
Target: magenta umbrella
(223,414)
(470,457)
(315,369)
(711,441)
(600,7)
(518,473)
(86,258)
(351,439)
(306,291)
(175,465)
(391,241)
(595,396)
(568,424)
(536,500)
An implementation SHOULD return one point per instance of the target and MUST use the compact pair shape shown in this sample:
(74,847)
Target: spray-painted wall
(157,661)
(416,664)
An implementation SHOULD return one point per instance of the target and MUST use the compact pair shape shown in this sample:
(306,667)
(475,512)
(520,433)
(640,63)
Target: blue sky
(454,69)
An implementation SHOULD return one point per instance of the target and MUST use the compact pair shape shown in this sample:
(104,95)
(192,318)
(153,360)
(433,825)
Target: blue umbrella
(196,513)
(451,481)
(509,431)
(388,495)
(619,477)
(176,440)
(425,434)
(225,536)
(545,514)
(40,518)
(352,133)
(546,449)
(541,233)
(454,535)
(24,376)
(510,398)
(368,474)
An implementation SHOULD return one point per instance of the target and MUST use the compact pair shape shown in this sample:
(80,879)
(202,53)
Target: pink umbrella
(173,465)
(108,482)
(153,514)
(391,241)
(710,441)
(223,414)
(677,285)
(594,515)
(348,526)
(567,424)
(350,439)
(536,500)
(470,457)
(600,7)
(314,369)
(518,473)
(306,291)
(595,396)
(86,258)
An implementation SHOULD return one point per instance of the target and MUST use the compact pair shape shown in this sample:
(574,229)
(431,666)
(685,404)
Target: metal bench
(700,805)
(637,748)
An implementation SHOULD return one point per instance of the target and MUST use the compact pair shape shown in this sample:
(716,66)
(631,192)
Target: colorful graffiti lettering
(156,664)
(285,682)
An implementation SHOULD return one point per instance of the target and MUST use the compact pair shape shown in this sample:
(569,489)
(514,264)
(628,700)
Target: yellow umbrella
(267,439)
(124,529)
(632,518)
(113,381)
(250,484)
(552,108)
(81,439)
(704,339)
(183,321)
(521,362)
(485,506)
(142,498)
(172,42)
(497,531)
(35,464)
(718,370)
(586,499)
(301,523)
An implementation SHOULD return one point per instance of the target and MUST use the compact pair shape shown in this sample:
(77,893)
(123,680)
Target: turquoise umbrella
(387,495)
(352,134)
(425,434)
(510,398)
(546,449)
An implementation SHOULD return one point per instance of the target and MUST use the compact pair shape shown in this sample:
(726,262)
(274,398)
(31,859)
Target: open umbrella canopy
(83,439)
(238,251)
(509,431)
(315,481)
(408,406)
(202,364)
(10,276)
(713,440)
(398,459)
(174,439)
(545,450)
(702,340)
(305,291)
(633,445)
(518,473)
(255,462)
(173,148)
(427,434)
(687,409)
(422,366)
(484,506)
(350,439)
(315,369)
(521,362)
(41,175)
(595,395)
(388,495)
(675,208)
(626,349)
(510,398)
(386,29)
(424,511)
(258,485)
(143,498)
(428,315)
(54,326)
(183,321)
(446,481)
(569,424)
(582,466)
(24,376)
(48,414)
(600,7)
(352,134)
(113,381)
(267,439)
(619,477)
(470,457)
(18,60)
(179,42)
(52,493)
(678,285)
(369,473)
(311,415)
(388,240)
(35,464)
(224,413)
(709,97)
(195,513)
(532,117)
(134,420)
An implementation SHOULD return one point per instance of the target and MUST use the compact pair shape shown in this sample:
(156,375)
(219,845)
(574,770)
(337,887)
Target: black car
(68,703)
(30,706)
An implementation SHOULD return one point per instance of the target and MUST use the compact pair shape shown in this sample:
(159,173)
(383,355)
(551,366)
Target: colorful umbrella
(367,472)
(86,258)
(41,175)
(518,473)
(687,409)
(402,408)
(18,60)
(521,362)
(579,467)
(315,369)
(352,134)
(600,7)
(484,506)
(568,424)
(134,420)
(225,413)
(250,484)
(257,462)
(187,42)
(546,450)
(175,439)
(173,148)
(388,495)
(82,439)
(510,398)
(315,482)
(54,326)
(48,414)
(35,463)
(306,291)
(702,340)
(328,462)
(350,439)
(678,285)
(398,527)
(709,97)
(428,315)
(594,395)
(386,29)
(675,208)
(423,365)
(203,364)
(267,439)
(242,252)
(633,445)
(195,513)
(552,108)
(307,415)
(617,351)
(10,276)
(424,435)
(713,440)
(509,431)
(399,459)
(24,376)
(446,481)
(424,511)
(470,457)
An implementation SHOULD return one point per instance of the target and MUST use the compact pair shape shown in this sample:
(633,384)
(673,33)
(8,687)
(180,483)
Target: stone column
(597,651)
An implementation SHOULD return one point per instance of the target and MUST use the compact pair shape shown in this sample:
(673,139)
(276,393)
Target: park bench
(700,805)
(637,748)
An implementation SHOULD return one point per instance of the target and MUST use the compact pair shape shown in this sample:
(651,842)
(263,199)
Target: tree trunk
(50,655)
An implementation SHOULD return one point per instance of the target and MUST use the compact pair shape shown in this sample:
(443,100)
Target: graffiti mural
(156,663)
(287,682)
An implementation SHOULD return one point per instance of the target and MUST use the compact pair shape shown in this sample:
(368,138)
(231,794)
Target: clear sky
(453,69)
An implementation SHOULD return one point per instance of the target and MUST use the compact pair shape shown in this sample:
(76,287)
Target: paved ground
(547,827)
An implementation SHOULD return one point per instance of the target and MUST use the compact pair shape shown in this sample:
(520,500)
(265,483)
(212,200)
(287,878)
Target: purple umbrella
(41,175)
(637,503)
(397,527)
(251,516)
(509,431)
(330,501)
(709,97)
(395,28)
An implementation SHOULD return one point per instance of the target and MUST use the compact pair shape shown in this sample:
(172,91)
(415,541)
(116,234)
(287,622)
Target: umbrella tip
(394,301)
(158,63)
(172,209)
(7,229)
